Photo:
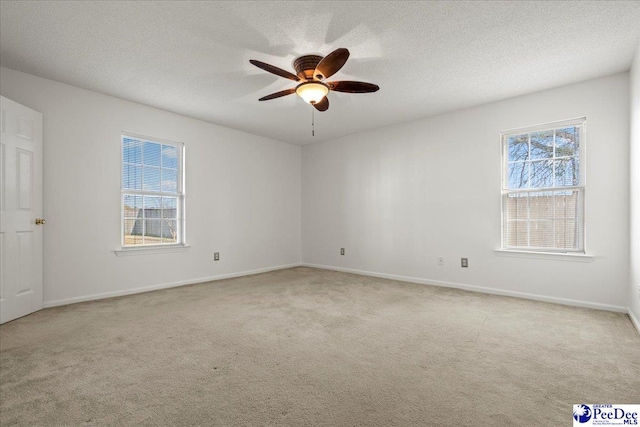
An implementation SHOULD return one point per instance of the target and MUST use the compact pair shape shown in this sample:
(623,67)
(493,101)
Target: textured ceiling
(192,58)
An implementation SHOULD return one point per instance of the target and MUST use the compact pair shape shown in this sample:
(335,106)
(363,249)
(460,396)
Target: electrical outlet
(464,262)
(341,251)
(216,256)
(440,260)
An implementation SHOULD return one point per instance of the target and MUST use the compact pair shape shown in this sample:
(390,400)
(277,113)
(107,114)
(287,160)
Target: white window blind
(543,187)
(152,192)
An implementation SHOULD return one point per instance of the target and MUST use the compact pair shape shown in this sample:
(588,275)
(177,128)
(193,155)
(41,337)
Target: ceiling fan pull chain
(313,124)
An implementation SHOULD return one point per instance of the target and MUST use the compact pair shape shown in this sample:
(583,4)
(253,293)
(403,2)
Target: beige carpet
(305,347)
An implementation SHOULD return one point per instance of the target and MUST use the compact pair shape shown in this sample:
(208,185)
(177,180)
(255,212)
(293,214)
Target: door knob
(40,221)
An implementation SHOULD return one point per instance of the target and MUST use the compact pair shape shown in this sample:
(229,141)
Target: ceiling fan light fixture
(312,92)
(311,70)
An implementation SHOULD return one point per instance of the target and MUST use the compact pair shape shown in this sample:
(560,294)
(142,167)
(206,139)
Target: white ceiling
(192,58)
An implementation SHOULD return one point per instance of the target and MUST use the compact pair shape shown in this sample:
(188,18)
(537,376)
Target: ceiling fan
(311,72)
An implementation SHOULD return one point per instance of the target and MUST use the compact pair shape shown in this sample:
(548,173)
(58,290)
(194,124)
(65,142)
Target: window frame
(580,188)
(180,194)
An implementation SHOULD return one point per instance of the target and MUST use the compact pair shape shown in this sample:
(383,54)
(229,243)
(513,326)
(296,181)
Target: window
(543,188)
(152,192)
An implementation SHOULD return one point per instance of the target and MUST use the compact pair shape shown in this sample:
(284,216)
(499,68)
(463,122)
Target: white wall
(397,198)
(634,288)
(243,194)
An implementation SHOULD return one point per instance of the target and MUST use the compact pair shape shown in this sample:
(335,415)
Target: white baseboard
(93,297)
(482,289)
(634,320)
(472,288)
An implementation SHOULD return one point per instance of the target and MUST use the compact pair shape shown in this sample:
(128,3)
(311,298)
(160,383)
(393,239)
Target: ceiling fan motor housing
(306,65)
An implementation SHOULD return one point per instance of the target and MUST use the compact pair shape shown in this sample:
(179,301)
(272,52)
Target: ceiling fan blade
(330,64)
(322,105)
(274,70)
(278,94)
(353,87)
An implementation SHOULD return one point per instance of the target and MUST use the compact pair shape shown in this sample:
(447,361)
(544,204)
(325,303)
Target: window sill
(577,257)
(151,250)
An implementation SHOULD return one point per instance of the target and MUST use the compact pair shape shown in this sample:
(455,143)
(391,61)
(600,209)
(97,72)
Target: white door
(20,210)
